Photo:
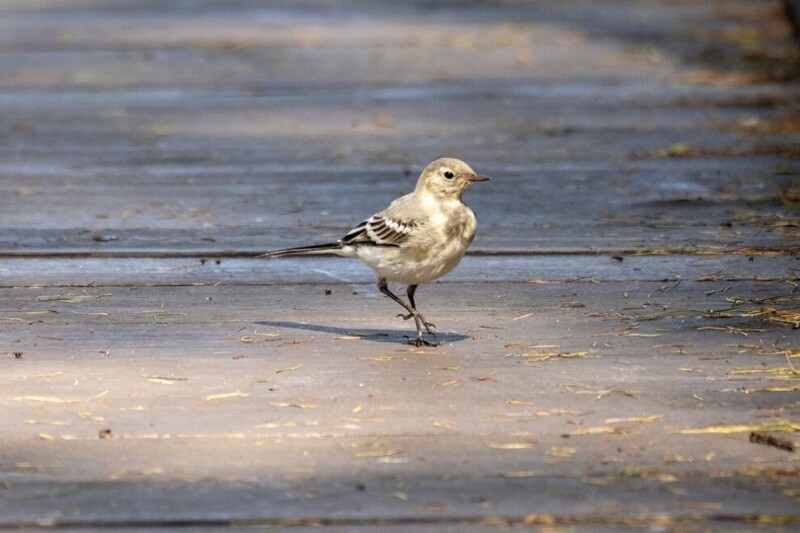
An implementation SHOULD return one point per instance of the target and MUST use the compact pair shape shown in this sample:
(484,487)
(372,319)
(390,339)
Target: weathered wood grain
(216,270)
(145,122)
(263,342)
(198,396)
(154,373)
(419,492)
(201,209)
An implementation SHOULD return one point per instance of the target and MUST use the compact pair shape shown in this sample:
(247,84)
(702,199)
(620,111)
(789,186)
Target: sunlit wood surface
(626,318)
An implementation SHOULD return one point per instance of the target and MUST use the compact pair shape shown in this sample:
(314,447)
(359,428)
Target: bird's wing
(381,230)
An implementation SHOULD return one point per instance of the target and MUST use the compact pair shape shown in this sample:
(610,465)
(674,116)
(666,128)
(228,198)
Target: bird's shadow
(373,335)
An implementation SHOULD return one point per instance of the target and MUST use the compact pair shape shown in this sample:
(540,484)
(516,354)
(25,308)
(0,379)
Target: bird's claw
(419,341)
(430,327)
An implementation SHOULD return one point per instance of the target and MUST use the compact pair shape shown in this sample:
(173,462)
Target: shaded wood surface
(626,318)
(576,401)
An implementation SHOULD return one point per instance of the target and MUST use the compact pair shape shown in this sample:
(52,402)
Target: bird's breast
(461,226)
(433,249)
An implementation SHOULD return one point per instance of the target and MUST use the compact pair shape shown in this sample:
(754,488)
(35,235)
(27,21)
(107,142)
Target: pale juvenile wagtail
(420,237)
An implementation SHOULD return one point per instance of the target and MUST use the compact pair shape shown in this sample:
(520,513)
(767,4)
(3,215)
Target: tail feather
(316,249)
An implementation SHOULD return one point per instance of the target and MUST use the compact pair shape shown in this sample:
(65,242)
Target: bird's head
(448,177)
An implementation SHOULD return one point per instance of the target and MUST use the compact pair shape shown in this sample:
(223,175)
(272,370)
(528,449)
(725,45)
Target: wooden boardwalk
(624,326)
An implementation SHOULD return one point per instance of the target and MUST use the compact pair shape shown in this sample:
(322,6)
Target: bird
(418,238)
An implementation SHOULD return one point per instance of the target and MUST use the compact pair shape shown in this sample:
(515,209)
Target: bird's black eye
(449,175)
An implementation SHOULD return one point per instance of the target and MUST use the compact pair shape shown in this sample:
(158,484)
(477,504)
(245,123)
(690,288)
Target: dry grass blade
(510,445)
(534,346)
(71,298)
(514,401)
(634,420)
(793,369)
(49,337)
(613,390)
(46,399)
(549,356)
(560,451)
(795,388)
(254,340)
(637,472)
(161,380)
(400,495)
(164,379)
(782,372)
(786,317)
(295,405)
(379,358)
(226,395)
(730,329)
(780,425)
(598,430)
(289,369)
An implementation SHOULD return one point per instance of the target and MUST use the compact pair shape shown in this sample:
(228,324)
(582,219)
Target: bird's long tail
(332,248)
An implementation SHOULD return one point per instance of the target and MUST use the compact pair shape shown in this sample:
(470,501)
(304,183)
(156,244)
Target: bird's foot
(430,327)
(420,341)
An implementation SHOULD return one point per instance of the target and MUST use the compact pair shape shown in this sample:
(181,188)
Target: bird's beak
(476,177)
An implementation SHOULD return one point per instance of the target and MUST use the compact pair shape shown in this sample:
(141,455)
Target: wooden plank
(140,387)
(131,338)
(332,497)
(332,271)
(201,414)
(250,242)
(198,210)
(184,150)
(205,165)
(436,501)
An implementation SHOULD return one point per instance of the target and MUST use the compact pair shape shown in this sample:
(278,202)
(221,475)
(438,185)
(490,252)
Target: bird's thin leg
(410,294)
(384,288)
(429,327)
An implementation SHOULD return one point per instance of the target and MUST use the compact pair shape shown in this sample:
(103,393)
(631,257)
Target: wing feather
(380,230)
